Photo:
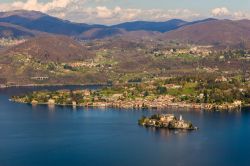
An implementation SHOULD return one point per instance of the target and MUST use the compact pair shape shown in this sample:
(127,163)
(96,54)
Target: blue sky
(115,11)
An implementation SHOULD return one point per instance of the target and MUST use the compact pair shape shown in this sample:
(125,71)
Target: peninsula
(181,92)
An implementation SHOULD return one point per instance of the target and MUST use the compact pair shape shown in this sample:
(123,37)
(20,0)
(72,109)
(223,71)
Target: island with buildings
(168,121)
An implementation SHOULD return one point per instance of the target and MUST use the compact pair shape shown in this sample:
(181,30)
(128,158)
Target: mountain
(34,20)
(42,22)
(214,32)
(8,30)
(52,48)
(200,21)
(32,15)
(23,23)
(152,26)
(98,33)
(38,21)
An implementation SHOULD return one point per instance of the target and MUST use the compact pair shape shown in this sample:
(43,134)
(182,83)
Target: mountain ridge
(39,21)
(216,32)
(22,23)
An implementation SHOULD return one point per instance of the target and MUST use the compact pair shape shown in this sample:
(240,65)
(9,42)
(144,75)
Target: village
(6,42)
(156,94)
(191,50)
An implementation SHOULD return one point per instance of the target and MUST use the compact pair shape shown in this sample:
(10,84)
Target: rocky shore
(168,121)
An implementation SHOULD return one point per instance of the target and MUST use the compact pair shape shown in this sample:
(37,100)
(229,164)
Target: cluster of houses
(5,42)
(195,50)
(168,121)
(82,64)
(121,100)
(117,101)
(221,79)
(226,106)
(211,70)
(172,86)
(41,78)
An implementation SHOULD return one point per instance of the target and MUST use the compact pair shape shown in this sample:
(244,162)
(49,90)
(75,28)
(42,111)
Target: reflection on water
(74,108)
(167,133)
(51,107)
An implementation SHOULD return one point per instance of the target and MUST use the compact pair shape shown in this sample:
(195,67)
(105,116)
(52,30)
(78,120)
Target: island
(168,121)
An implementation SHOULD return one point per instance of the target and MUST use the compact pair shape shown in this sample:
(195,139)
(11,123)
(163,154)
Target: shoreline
(50,85)
(84,98)
(198,107)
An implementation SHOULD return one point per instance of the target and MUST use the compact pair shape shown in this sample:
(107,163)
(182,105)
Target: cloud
(85,11)
(241,15)
(80,11)
(102,14)
(223,12)
(35,5)
(218,12)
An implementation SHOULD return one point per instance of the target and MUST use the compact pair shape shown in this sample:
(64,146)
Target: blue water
(63,136)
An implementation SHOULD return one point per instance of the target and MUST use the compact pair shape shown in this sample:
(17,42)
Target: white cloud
(241,15)
(223,12)
(35,5)
(218,12)
(78,10)
(102,14)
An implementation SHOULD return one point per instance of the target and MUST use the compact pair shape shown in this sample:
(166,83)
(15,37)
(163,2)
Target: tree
(205,96)
(161,90)
(145,94)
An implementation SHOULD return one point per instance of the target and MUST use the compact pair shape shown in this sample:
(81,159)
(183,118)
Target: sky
(116,11)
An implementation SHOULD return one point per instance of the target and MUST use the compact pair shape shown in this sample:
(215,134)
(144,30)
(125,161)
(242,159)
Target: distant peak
(30,14)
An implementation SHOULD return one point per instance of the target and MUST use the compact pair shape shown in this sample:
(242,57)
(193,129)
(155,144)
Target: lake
(63,136)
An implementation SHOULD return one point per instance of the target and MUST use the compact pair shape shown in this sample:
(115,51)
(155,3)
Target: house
(172,86)
(74,103)
(167,117)
(201,96)
(40,78)
(117,96)
(51,102)
(34,102)
(221,79)
(237,103)
(86,92)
